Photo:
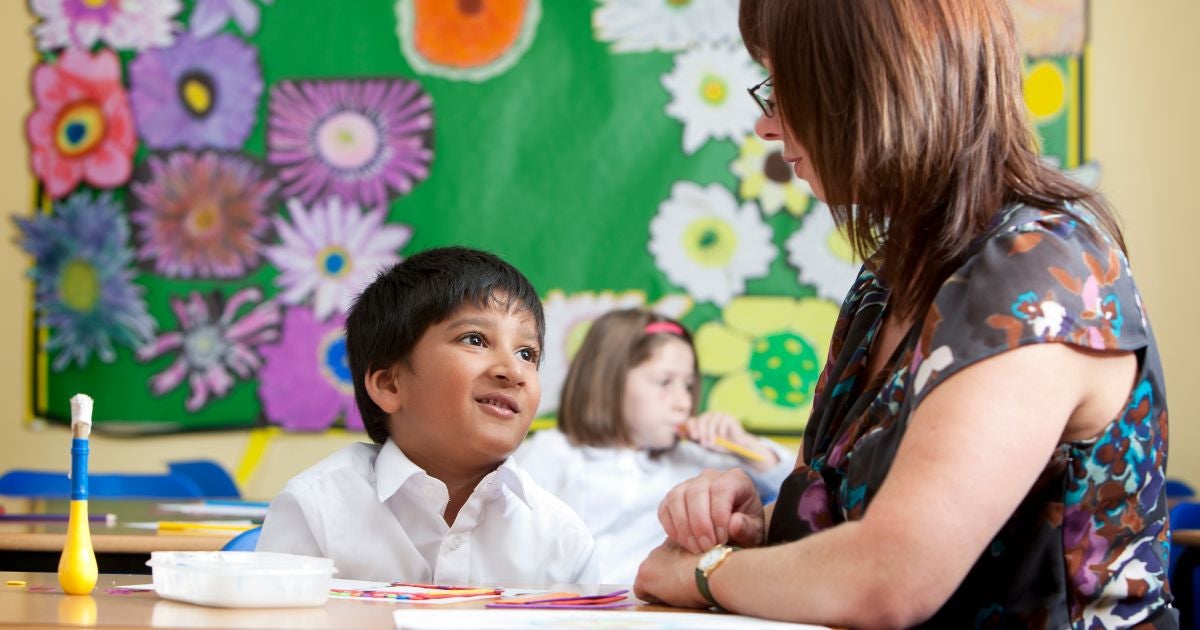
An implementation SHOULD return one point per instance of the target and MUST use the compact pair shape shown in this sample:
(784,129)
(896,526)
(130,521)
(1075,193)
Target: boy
(444,350)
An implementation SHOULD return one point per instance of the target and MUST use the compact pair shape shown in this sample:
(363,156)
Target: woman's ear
(385,389)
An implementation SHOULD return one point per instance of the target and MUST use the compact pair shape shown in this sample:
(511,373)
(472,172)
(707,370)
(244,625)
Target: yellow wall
(1144,129)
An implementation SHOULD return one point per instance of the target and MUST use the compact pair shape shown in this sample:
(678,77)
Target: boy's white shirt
(379,517)
(617,491)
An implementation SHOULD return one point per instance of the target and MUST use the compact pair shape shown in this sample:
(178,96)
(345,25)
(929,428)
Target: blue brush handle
(79,469)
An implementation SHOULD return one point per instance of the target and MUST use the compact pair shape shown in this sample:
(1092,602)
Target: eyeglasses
(761,94)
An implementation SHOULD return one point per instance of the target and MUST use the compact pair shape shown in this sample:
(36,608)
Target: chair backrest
(209,475)
(48,484)
(1178,489)
(245,541)
(1185,515)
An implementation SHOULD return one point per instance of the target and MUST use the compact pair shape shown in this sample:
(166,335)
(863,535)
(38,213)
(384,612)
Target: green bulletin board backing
(604,148)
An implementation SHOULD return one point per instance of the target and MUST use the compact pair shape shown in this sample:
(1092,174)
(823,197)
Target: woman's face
(794,153)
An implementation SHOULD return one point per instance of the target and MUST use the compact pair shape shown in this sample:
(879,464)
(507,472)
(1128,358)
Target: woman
(988,442)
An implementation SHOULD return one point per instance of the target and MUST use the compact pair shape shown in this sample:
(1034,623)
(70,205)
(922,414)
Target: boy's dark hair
(393,312)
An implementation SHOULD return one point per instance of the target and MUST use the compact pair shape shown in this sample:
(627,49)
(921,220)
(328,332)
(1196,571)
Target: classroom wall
(1143,130)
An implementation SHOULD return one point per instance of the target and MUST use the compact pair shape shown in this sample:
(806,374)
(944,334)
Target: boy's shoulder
(549,509)
(354,460)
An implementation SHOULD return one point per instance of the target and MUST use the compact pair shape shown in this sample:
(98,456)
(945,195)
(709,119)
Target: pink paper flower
(305,382)
(213,341)
(82,128)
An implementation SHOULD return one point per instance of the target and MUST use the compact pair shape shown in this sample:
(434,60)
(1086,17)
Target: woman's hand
(668,575)
(707,427)
(715,507)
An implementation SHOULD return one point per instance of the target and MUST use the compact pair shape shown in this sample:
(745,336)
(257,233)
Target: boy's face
(470,388)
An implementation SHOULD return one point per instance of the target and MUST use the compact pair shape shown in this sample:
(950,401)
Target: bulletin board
(217,179)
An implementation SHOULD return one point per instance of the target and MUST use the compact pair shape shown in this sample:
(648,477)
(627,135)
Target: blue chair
(245,541)
(1178,489)
(1185,515)
(209,475)
(56,485)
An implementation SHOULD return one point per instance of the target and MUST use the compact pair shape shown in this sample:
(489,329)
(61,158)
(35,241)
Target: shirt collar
(393,468)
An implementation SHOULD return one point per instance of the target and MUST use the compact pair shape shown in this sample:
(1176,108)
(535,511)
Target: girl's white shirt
(617,490)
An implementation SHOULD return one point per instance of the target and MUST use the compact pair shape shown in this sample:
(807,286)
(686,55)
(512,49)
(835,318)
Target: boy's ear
(385,389)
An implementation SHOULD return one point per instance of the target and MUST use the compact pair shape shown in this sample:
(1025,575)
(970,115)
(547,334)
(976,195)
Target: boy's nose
(510,369)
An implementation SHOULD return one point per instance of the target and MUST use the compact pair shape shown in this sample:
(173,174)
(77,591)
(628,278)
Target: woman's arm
(973,449)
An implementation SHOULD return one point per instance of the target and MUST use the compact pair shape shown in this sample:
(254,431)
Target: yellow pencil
(183,526)
(739,450)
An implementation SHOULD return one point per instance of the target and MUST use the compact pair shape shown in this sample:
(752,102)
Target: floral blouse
(1087,547)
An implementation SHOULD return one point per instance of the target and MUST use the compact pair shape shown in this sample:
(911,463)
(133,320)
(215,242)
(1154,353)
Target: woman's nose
(767,128)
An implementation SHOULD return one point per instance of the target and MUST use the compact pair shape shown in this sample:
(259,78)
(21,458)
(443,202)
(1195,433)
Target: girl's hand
(668,575)
(707,427)
(715,507)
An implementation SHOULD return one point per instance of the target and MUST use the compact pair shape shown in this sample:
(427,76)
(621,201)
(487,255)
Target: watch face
(711,556)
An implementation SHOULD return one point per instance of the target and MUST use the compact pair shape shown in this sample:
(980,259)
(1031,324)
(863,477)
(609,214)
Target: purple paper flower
(118,24)
(83,279)
(211,342)
(202,215)
(354,139)
(210,15)
(197,93)
(305,382)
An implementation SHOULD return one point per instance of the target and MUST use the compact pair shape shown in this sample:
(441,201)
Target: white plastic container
(242,579)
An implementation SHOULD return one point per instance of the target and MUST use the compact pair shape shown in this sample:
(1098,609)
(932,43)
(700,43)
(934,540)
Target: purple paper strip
(624,604)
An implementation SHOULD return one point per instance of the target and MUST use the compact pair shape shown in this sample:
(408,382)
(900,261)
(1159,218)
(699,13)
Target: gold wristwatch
(708,563)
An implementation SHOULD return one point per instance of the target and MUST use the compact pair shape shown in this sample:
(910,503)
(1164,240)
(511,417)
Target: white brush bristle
(81,410)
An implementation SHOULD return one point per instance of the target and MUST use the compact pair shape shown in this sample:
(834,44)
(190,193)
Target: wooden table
(119,549)
(39,602)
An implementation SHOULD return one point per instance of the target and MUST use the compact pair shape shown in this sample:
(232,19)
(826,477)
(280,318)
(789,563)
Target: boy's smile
(469,389)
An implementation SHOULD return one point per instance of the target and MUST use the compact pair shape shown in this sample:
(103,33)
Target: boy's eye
(528,354)
(475,339)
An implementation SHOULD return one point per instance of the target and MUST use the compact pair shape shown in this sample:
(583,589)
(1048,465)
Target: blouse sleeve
(1048,278)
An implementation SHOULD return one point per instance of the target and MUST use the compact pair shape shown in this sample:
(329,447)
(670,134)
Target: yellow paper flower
(765,177)
(767,353)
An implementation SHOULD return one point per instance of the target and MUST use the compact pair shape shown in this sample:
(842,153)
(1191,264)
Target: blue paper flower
(83,276)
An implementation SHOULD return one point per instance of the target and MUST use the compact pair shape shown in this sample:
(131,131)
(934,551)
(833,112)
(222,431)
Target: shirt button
(456,541)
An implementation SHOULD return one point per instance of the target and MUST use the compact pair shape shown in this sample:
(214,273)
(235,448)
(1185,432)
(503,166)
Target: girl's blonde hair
(590,412)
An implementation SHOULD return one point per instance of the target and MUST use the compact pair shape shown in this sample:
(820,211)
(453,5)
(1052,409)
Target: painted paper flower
(667,25)
(708,94)
(767,353)
(1050,27)
(568,319)
(466,40)
(83,278)
(81,128)
(332,252)
(202,215)
(210,16)
(305,384)
(213,344)
(705,243)
(766,178)
(120,24)
(359,140)
(199,93)
(822,255)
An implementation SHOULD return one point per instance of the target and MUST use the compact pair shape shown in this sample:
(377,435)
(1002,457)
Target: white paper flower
(568,319)
(765,177)
(708,93)
(668,25)
(822,254)
(124,24)
(332,252)
(705,243)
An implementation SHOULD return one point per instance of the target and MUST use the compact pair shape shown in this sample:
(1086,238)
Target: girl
(629,395)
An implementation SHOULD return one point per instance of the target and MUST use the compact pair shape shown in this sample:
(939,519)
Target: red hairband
(664,327)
